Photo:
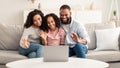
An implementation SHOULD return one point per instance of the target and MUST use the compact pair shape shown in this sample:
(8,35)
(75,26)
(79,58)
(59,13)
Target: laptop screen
(56,53)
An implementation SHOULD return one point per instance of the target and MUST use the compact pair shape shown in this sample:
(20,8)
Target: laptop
(56,53)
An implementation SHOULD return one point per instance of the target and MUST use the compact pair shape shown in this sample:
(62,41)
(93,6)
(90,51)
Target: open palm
(74,37)
(43,35)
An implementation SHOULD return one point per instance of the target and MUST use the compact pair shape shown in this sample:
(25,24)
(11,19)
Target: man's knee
(81,48)
(79,45)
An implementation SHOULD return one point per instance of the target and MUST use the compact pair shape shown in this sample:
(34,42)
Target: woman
(54,34)
(30,43)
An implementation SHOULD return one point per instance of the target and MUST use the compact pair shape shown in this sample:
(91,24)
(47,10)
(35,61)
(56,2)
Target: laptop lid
(55,53)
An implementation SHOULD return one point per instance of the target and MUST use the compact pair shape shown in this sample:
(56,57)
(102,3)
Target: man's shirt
(75,27)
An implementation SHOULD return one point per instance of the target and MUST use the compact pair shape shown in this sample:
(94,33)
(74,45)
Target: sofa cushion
(91,31)
(10,36)
(107,39)
(9,56)
(106,56)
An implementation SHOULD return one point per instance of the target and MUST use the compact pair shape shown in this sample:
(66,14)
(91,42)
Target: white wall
(119,7)
(11,11)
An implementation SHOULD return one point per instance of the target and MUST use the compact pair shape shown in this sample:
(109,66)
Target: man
(76,36)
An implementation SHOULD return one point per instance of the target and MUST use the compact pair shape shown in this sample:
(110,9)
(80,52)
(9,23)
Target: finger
(23,41)
(27,40)
(74,34)
(28,44)
(71,35)
(41,31)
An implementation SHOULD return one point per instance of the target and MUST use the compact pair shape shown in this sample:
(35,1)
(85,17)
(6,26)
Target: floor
(114,65)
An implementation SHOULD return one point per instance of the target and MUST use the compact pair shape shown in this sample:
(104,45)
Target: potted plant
(114,12)
(114,15)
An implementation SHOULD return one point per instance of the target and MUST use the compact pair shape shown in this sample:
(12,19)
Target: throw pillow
(107,39)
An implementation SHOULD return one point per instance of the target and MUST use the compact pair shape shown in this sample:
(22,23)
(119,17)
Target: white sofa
(10,36)
(103,55)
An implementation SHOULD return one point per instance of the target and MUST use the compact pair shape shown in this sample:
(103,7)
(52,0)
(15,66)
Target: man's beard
(67,22)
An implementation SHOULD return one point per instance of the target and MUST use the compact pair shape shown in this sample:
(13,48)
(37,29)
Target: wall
(11,11)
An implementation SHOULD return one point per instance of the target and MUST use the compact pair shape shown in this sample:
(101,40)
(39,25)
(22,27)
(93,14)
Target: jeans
(34,51)
(79,50)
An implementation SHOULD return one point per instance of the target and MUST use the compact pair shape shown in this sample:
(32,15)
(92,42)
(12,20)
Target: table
(72,63)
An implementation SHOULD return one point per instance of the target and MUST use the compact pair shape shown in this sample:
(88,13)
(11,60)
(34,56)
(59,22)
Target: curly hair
(56,19)
(29,21)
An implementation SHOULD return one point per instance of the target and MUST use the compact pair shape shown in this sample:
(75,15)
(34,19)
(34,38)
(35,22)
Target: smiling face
(65,15)
(51,23)
(37,19)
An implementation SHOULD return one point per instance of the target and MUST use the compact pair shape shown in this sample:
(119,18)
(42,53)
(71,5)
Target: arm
(44,41)
(81,34)
(24,42)
(62,36)
(83,41)
(43,35)
(77,39)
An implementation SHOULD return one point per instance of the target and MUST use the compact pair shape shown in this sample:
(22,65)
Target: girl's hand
(43,35)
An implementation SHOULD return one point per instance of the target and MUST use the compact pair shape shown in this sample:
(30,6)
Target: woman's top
(31,34)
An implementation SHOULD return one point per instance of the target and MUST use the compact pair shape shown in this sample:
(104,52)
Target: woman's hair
(56,19)
(30,22)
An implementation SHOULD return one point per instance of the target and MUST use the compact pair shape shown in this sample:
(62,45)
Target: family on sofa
(50,30)
(104,44)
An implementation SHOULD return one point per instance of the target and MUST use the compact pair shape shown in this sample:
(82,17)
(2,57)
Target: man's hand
(26,43)
(76,39)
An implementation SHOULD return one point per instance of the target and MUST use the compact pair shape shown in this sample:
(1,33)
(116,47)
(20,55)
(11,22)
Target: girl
(54,34)
(30,43)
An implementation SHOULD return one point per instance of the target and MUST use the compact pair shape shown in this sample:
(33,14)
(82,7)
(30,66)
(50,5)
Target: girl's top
(56,37)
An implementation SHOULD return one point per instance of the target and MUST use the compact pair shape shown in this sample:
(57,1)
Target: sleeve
(24,36)
(82,33)
(62,36)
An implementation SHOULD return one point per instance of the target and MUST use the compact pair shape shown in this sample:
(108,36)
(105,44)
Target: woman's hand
(26,43)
